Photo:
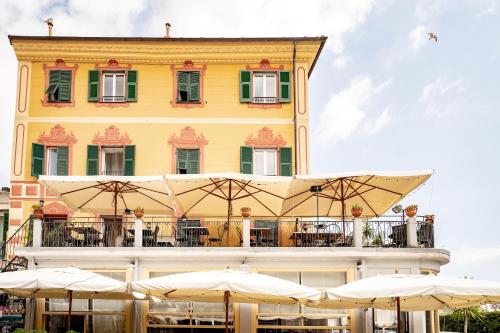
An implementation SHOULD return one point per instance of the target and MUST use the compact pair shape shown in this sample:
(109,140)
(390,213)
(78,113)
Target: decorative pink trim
(16,190)
(265,139)
(31,190)
(56,208)
(111,137)
(20,171)
(57,138)
(59,65)
(303,74)
(15,223)
(112,66)
(22,69)
(16,204)
(112,104)
(188,66)
(265,65)
(188,140)
(303,136)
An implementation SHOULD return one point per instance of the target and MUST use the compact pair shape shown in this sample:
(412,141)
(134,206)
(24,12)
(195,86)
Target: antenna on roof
(167,29)
(50,25)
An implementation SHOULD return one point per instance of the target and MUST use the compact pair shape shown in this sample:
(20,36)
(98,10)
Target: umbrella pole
(343,208)
(69,309)
(398,306)
(226,305)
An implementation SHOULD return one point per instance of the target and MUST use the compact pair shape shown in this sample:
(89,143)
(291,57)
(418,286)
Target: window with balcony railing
(264,88)
(113,88)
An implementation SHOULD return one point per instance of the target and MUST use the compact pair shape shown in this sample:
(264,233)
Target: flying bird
(49,21)
(432,36)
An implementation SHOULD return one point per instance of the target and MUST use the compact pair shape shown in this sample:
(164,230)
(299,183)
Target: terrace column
(138,232)
(358,232)
(411,232)
(246,232)
(37,233)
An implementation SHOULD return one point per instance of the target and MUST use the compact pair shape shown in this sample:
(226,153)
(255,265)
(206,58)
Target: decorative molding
(113,65)
(16,190)
(162,120)
(265,65)
(56,208)
(18,158)
(188,66)
(31,190)
(111,137)
(302,79)
(23,78)
(265,139)
(59,64)
(57,137)
(303,147)
(188,140)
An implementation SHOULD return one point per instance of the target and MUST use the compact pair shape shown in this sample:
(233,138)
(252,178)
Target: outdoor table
(307,238)
(259,233)
(193,235)
(90,234)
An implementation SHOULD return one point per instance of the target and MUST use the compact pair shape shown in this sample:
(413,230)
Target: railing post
(37,233)
(246,232)
(411,232)
(138,232)
(358,232)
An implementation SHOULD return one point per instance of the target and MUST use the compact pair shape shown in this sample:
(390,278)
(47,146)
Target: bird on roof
(49,21)
(432,36)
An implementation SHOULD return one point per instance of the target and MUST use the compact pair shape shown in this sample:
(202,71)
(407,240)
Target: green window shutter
(285,161)
(94,77)
(92,160)
(65,86)
(182,85)
(62,160)
(194,86)
(132,86)
(37,159)
(245,86)
(246,160)
(193,161)
(285,86)
(5,229)
(53,85)
(129,169)
(181,161)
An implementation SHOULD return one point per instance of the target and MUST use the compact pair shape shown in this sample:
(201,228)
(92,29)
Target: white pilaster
(411,232)
(358,232)
(246,232)
(37,233)
(138,233)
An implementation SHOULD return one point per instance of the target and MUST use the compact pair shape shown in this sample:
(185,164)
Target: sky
(382,96)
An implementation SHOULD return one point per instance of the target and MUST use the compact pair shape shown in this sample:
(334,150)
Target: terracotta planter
(138,214)
(37,214)
(411,212)
(246,212)
(356,212)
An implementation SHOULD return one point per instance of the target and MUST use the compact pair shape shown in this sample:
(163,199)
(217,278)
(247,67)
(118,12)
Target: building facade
(150,106)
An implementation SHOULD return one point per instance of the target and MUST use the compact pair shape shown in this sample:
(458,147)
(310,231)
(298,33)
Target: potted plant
(37,211)
(356,210)
(377,240)
(246,211)
(139,212)
(411,210)
(367,233)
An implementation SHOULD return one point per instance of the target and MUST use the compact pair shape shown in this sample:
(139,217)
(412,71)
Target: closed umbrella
(61,283)
(229,286)
(412,293)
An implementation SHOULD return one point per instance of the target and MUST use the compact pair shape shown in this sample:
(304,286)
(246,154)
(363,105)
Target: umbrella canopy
(415,293)
(210,286)
(58,282)
(333,194)
(109,194)
(224,194)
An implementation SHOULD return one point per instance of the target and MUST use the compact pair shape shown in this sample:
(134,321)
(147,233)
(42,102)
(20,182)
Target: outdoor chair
(151,241)
(425,235)
(240,235)
(398,235)
(217,240)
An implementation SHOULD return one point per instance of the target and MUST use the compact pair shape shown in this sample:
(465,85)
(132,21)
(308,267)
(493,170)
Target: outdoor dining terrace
(199,232)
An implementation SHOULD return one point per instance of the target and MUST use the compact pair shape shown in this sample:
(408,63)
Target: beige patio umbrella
(412,293)
(331,195)
(67,282)
(229,286)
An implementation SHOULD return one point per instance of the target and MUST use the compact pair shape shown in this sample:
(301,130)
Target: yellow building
(150,106)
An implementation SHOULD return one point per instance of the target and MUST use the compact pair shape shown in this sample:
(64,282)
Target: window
(188,161)
(264,88)
(112,161)
(113,88)
(188,87)
(264,162)
(59,87)
(53,161)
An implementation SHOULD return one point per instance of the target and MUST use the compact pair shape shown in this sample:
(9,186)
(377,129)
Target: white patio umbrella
(412,293)
(61,283)
(230,286)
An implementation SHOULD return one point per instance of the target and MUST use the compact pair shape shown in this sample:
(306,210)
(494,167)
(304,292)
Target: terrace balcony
(262,232)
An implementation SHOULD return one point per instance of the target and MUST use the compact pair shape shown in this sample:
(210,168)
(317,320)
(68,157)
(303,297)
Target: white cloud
(418,37)
(476,254)
(348,109)
(426,9)
(440,96)
(341,61)
(491,10)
